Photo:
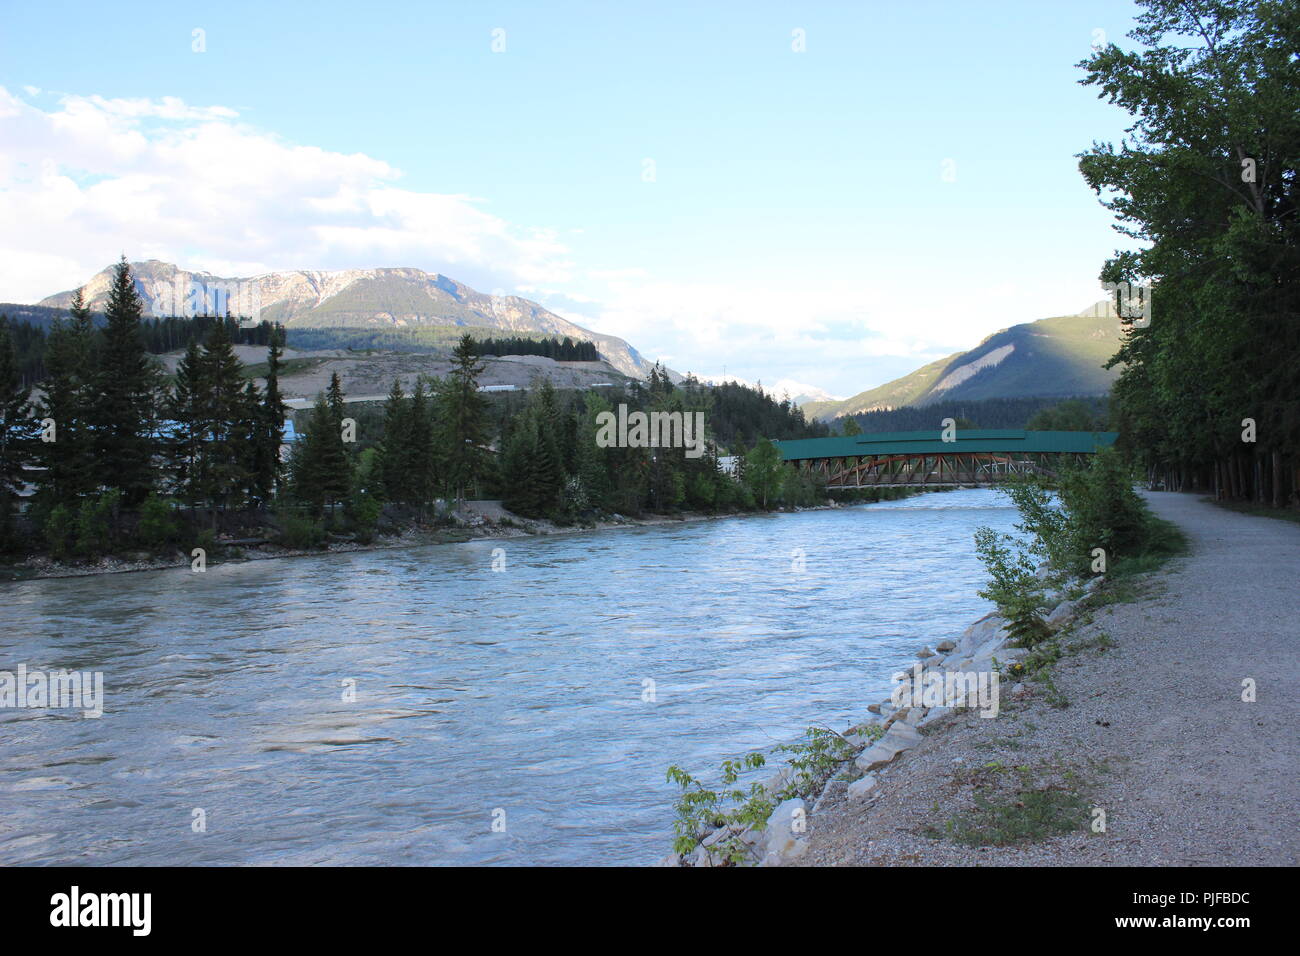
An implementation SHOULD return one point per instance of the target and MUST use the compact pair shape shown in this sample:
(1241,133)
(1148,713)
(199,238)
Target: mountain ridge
(386,297)
(1060,356)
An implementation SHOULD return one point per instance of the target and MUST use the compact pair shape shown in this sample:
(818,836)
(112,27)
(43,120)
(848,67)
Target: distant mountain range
(355,298)
(1056,357)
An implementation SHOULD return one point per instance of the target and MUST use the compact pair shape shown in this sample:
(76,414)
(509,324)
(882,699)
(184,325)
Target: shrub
(96,521)
(1012,586)
(159,525)
(299,532)
(60,530)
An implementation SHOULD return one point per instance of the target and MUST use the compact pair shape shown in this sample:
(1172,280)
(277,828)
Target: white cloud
(93,178)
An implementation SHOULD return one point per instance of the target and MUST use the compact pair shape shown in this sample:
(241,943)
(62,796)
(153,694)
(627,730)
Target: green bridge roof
(1004,440)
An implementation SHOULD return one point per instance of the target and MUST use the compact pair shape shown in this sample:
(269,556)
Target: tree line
(120,454)
(1084,413)
(30,340)
(1209,393)
(561,350)
(109,435)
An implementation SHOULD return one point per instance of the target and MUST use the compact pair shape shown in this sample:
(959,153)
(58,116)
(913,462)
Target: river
(548,697)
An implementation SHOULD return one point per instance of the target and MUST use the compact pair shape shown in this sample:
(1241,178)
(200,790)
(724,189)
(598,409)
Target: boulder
(1061,614)
(901,737)
(945,647)
(859,789)
(924,652)
(786,831)
(935,713)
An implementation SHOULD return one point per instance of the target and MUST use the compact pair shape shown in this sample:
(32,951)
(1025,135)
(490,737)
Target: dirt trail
(1156,729)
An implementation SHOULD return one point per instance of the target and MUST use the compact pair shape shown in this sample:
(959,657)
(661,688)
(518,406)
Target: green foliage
(1013,585)
(764,473)
(125,395)
(298,531)
(1103,511)
(463,424)
(96,524)
(1205,182)
(60,531)
(700,810)
(1071,415)
(815,760)
(159,525)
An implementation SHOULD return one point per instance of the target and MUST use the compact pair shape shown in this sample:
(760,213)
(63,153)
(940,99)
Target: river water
(549,697)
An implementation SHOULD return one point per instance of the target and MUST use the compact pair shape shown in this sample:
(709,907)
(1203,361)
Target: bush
(60,530)
(363,511)
(159,525)
(96,523)
(1012,586)
(1103,511)
(300,532)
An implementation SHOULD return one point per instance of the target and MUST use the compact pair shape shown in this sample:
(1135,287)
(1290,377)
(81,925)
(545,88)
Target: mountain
(1057,357)
(351,298)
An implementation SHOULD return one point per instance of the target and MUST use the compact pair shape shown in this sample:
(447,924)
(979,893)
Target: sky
(823,194)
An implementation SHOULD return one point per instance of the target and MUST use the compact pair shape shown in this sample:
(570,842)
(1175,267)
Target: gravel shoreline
(1155,732)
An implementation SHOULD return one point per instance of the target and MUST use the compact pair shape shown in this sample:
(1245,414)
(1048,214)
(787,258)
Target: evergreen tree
(463,419)
(321,468)
(226,412)
(268,470)
(186,459)
(16,433)
(391,464)
(124,403)
(418,455)
(68,462)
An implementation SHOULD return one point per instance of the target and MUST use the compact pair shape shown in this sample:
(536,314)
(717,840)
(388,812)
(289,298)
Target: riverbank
(1156,729)
(475,520)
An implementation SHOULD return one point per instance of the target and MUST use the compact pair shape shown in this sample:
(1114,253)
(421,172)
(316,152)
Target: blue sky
(674,173)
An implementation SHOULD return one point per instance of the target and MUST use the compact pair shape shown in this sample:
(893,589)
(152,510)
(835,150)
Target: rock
(672,859)
(900,737)
(702,857)
(924,652)
(914,716)
(1093,583)
(896,716)
(1018,690)
(934,714)
(786,829)
(945,647)
(779,780)
(1061,614)
(990,625)
(859,789)
(874,708)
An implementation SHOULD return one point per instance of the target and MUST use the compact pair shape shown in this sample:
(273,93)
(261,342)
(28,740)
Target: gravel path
(1155,732)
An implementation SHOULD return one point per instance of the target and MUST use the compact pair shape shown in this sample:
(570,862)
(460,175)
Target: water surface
(476,691)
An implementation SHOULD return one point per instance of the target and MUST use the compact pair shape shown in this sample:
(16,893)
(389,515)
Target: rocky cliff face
(350,298)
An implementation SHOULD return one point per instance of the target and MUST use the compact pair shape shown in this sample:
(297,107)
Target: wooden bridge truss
(931,470)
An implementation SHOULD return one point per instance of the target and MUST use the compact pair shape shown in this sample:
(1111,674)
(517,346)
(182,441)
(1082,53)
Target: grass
(1014,805)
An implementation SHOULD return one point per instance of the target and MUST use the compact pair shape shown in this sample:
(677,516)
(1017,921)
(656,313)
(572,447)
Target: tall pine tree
(124,406)
(16,433)
(463,420)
